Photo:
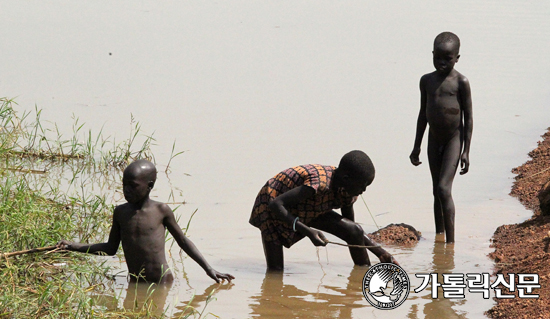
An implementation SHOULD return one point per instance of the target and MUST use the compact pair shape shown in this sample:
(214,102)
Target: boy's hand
(464,163)
(318,238)
(218,276)
(388,258)
(64,244)
(415,160)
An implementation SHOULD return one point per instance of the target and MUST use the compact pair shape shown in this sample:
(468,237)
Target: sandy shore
(523,248)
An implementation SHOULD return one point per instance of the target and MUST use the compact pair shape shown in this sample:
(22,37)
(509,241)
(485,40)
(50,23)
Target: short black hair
(357,163)
(142,167)
(445,37)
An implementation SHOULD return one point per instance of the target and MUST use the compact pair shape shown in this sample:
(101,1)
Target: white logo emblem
(386,286)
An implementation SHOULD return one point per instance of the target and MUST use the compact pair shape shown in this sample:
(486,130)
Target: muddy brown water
(251,88)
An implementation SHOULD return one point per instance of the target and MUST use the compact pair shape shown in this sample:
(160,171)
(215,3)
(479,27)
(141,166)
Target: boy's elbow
(103,252)
(273,206)
(110,250)
(277,208)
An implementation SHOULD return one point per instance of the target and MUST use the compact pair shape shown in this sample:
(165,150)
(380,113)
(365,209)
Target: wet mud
(524,247)
(397,234)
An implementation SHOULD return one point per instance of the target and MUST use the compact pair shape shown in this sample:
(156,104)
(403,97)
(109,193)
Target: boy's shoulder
(121,208)
(461,78)
(429,75)
(427,78)
(151,204)
(159,207)
(453,75)
(154,203)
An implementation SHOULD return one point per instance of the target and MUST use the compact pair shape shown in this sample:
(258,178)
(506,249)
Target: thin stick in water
(319,261)
(364,202)
(354,246)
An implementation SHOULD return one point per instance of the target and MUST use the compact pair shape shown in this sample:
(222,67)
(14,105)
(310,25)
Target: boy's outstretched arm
(466,105)
(421,124)
(187,245)
(290,198)
(110,247)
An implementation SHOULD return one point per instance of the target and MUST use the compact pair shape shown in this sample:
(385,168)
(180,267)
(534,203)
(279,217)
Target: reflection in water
(443,262)
(149,298)
(443,255)
(199,303)
(279,300)
(142,298)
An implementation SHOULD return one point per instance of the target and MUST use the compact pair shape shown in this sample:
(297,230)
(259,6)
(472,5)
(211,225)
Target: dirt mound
(532,175)
(397,234)
(524,248)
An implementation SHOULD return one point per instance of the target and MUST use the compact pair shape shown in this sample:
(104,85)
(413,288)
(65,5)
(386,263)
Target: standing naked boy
(445,104)
(300,200)
(140,224)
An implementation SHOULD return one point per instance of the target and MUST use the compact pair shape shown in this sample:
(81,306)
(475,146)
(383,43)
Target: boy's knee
(356,232)
(443,192)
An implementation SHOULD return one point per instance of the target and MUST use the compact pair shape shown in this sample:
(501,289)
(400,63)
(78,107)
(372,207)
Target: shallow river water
(248,88)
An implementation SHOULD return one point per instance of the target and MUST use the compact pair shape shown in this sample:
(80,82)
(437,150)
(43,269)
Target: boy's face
(136,187)
(445,56)
(355,186)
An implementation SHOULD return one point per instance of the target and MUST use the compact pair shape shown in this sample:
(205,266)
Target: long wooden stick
(355,246)
(29,251)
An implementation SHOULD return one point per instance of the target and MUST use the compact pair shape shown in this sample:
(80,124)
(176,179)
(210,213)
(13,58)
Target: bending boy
(299,202)
(140,224)
(446,105)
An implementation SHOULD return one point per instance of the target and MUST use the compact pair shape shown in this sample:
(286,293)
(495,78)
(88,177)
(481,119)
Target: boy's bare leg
(346,230)
(438,214)
(443,165)
(273,255)
(435,158)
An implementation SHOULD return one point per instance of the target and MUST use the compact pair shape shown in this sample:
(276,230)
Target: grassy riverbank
(55,188)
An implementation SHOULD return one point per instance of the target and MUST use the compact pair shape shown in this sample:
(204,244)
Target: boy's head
(356,172)
(138,180)
(445,53)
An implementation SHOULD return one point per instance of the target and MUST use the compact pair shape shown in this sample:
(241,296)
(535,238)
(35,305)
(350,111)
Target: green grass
(55,188)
